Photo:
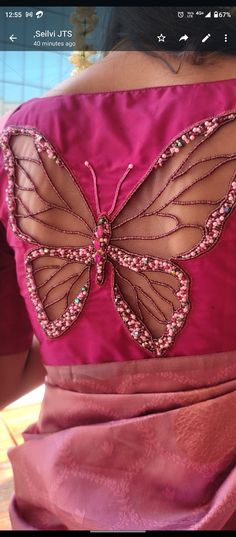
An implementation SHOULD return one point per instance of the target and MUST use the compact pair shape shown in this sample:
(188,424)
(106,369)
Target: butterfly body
(101,239)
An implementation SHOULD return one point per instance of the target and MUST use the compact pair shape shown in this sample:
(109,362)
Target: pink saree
(140,445)
(137,429)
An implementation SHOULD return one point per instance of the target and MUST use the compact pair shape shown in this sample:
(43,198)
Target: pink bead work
(57,327)
(101,249)
(205,128)
(101,240)
(137,329)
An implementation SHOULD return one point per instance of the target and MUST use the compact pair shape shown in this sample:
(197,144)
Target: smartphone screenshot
(117,268)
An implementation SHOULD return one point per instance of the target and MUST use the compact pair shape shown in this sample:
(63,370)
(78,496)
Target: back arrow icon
(12,38)
(183,37)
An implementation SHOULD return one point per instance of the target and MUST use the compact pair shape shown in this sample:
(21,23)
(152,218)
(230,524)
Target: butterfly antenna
(95,185)
(129,167)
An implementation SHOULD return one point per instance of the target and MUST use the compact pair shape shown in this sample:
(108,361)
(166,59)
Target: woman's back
(121,214)
(158,181)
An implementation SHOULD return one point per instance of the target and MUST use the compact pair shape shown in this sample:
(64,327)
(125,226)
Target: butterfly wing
(46,205)
(176,213)
(151,296)
(58,283)
(47,208)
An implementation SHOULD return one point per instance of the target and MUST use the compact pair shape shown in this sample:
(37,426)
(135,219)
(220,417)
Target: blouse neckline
(140,90)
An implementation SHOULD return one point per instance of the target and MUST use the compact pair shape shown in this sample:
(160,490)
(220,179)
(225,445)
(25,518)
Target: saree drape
(148,444)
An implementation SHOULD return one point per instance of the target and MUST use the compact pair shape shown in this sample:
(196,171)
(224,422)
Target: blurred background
(23,76)
(14,418)
(28,74)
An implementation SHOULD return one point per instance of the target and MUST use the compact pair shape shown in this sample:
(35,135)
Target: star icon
(161,38)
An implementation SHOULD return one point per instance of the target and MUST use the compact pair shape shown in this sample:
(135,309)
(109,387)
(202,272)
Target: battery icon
(216,14)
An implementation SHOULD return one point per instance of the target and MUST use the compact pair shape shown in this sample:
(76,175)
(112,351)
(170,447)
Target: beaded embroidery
(150,290)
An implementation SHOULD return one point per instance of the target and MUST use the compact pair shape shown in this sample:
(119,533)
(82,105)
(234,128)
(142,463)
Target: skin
(122,69)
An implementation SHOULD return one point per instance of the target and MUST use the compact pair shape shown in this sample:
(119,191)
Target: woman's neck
(123,70)
(139,68)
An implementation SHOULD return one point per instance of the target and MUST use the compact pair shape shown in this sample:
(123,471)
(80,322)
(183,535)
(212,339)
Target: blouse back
(119,211)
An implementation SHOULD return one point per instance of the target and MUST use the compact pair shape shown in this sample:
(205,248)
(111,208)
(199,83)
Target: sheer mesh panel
(58,283)
(51,211)
(50,206)
(169,217)
(176,212)
(151,295)
(166,216)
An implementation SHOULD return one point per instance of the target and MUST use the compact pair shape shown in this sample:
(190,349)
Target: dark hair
(139,27)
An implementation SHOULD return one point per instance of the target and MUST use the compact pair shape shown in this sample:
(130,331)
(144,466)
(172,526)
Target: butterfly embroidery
(176,212)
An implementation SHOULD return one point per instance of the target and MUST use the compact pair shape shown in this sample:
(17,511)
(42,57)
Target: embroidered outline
(212,228)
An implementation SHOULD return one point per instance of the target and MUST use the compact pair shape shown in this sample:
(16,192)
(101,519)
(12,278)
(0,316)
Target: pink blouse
(118,230)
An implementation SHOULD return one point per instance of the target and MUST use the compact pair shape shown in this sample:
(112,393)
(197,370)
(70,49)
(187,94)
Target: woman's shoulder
(92,79)
(126,71)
